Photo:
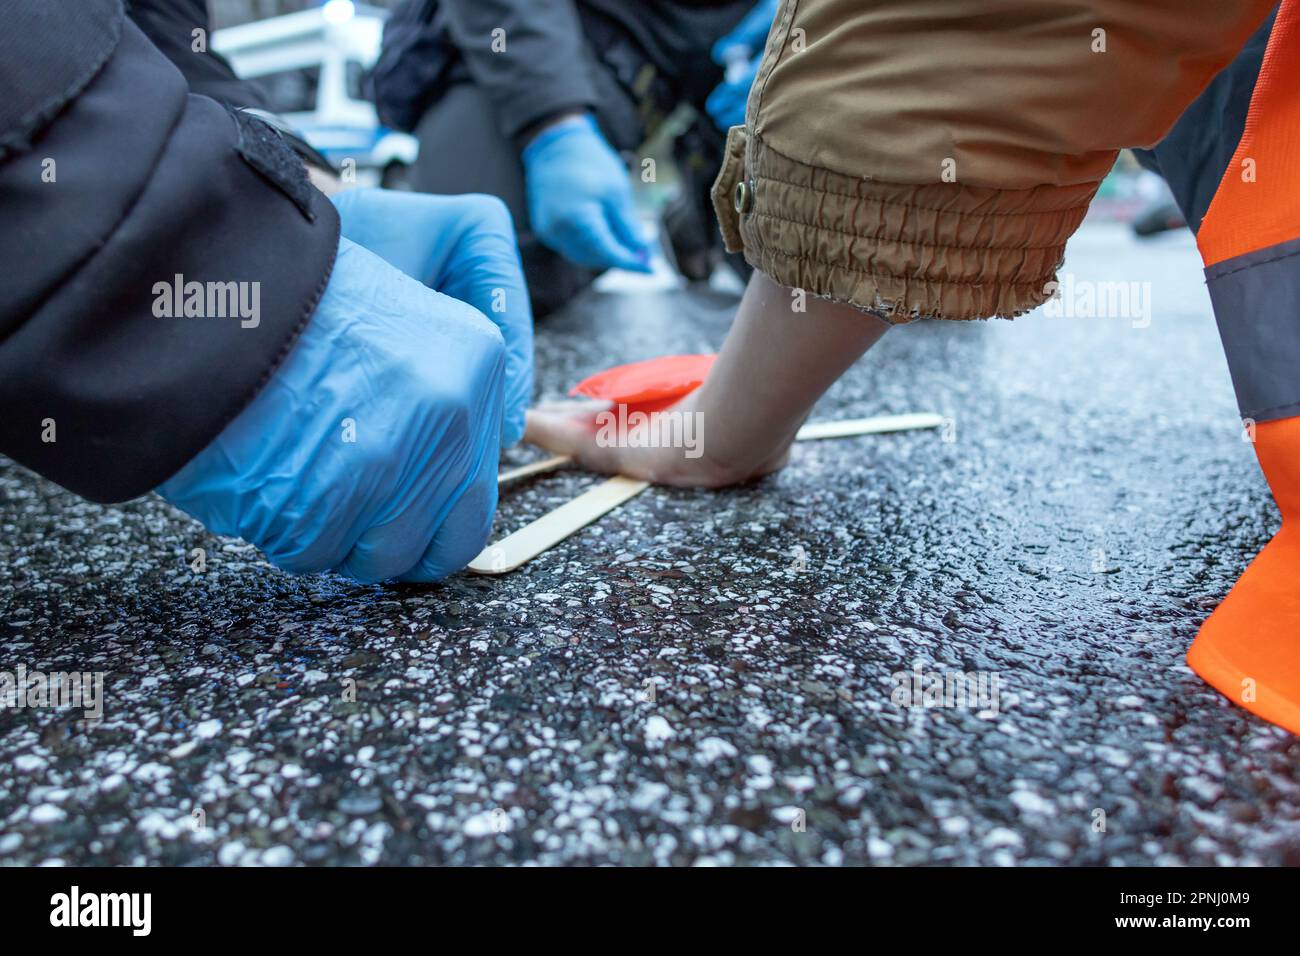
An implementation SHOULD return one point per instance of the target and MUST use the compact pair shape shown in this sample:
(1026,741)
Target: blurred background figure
(541,104)
(1159,212)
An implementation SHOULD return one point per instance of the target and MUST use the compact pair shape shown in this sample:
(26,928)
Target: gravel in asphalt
(706,677)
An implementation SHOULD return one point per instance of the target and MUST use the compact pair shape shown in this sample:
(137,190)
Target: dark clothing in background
(114,178)
(547,66)
(630,63)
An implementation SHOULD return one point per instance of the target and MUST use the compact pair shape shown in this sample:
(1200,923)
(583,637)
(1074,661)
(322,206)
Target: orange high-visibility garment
(1249,648)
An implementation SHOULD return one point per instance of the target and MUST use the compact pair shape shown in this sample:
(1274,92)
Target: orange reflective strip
(1257,204)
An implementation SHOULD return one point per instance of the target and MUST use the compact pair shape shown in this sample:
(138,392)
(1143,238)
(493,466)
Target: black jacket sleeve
(528,57)
(170,25)
(115,184)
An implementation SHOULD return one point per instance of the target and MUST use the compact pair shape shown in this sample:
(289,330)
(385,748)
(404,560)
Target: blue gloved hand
(748,37)
(461,246)
(372,450)
(740,52)
(726,104)
(580,200)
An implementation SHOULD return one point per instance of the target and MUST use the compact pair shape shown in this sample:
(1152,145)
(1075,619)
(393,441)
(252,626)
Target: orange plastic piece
(1249,649)
(650,385)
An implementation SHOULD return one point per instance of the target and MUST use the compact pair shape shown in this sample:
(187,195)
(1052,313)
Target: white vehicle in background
(311,66)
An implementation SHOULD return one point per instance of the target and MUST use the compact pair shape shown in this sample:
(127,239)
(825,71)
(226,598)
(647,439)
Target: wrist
(537,127)
(566,118)
(559,128)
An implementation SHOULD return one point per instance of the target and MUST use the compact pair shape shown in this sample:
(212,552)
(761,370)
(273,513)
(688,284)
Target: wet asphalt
(706,677)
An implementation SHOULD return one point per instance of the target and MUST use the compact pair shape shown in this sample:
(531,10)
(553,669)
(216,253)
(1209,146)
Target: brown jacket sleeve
(932,157)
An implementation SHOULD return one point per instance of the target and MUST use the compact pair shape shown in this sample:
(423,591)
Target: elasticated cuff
(903,251)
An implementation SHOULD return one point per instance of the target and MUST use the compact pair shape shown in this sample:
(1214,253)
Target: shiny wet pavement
(708,677)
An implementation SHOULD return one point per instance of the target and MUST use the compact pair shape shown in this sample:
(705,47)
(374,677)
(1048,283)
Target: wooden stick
(552,528)
(868,426)
(535,468)
(810,432)
(517,549)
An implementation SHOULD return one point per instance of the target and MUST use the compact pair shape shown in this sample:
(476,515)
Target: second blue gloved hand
(748,37)
(741,53)
(464,247)
(372,450)
(580,200)
(726,104)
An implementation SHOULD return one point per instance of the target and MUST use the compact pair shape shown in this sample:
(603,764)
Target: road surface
(709,677)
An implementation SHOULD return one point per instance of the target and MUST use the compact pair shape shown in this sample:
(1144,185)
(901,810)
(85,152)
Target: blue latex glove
(748,37)
(372,450)
(740,52)
(464,247)
(580,200)
(726,104)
